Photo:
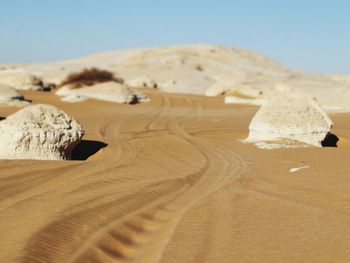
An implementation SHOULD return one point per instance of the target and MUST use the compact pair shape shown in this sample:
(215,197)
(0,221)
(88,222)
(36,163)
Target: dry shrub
(89,77)
(199,67)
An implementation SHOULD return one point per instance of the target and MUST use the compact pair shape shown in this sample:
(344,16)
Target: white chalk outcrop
(22,80)
(242,94)
(190,69)
(227,82)
(142,82)
(203,70)
(40,132)
(290,115)
(11,97)
(108,91)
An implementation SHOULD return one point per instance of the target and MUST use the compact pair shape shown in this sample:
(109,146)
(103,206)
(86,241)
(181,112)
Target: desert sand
(170,180)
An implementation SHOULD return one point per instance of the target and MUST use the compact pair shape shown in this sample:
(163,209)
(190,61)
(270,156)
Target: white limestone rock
(11,97)
(226,82)
(108,91)
(7,93)
(142,82)
(39,132)
(64,91)
(290,115)
(22,80)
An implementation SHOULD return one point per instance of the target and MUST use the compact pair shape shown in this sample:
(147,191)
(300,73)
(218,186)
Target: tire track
(137,227)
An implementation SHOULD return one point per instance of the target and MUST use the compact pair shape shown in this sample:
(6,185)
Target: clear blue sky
(303,34)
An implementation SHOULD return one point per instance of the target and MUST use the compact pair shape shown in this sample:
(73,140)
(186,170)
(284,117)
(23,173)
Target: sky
(310,35)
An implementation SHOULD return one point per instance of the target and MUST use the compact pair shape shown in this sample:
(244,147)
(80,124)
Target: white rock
(7,93)
(297,169)
(238,89)
(64,91)
(21,80)
(11,97)
(221,65)
(142,82)
(40,132)
(226,82)
(108,91)
(169,86)
(290,115)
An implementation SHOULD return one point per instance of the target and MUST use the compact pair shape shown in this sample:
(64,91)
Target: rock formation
(203,70)
(40,132)
(108,91)
(11,97)
(290,115)
(22,80)
(142,82)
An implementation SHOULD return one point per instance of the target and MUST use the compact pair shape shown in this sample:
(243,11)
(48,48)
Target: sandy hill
(205,70)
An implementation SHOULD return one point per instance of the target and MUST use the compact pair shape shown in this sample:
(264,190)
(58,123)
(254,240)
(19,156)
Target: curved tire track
(137,227)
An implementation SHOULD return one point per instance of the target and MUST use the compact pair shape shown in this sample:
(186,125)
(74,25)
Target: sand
(170,180)
(174,184)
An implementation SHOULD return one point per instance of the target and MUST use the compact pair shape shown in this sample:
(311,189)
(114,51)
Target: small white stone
(296,169)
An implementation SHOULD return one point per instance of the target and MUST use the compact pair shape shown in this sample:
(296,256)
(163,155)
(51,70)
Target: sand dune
(170,180)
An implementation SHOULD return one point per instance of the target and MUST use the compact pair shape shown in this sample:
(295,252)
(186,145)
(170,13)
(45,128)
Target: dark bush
(89,77)
(199,67)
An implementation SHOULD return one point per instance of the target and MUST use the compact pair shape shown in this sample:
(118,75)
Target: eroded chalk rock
(40,132)
(142,82)
(108,91)
(11,97)
(224,83)
(290,115)
(7,93)
(22,80)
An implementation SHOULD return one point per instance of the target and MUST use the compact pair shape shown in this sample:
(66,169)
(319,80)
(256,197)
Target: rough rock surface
(290,115)
(22,80)
(108,91)
(40,132)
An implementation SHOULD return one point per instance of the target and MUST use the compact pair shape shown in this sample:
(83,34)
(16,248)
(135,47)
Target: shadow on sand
(330,140)
(86,148)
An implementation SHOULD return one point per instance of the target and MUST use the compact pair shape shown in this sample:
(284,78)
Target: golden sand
(174,184)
